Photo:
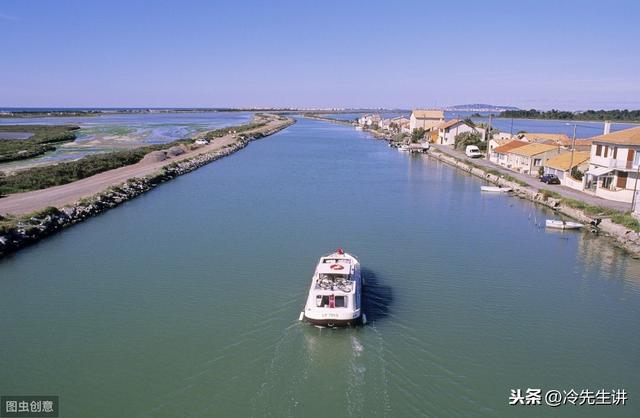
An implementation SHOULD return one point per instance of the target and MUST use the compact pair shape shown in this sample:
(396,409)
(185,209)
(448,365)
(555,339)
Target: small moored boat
(495,189)
(336,291)
(556,224)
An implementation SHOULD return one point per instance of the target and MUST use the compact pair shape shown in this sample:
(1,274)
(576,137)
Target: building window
(622,180)
(537,162)
(606,152)
(598,150)
(615,152)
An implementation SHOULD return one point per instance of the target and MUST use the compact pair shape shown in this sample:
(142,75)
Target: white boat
(335,295)
(403,147)
(495,189)
(553,223)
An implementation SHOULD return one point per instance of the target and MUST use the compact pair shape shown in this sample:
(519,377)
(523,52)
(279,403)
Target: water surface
(184,301)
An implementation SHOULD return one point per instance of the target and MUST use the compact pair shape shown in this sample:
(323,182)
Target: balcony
(615,164)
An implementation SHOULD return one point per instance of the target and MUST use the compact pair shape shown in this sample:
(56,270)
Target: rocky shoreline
(51,220)
(622,236)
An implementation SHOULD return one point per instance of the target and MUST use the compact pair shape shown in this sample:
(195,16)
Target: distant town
(605,165)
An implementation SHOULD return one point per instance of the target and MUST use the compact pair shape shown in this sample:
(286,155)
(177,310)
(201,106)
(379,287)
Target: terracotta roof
(428,114)
(533,149)
(629,136)
(583,142)
(540,137)
(501,141)
(503,149)
(447,124)
(562,161)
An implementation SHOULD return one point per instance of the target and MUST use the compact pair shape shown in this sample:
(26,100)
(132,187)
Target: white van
(473,151)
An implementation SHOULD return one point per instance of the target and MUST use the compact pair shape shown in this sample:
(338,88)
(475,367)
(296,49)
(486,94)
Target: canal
(184,301)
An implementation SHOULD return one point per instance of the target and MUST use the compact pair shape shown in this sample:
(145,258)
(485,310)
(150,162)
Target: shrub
(418,134)
(468,138)
(576,174)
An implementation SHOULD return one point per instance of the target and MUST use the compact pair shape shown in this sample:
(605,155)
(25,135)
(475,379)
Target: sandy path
(59,196)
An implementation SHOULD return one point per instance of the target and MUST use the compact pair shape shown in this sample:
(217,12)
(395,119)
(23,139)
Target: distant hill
(480,107)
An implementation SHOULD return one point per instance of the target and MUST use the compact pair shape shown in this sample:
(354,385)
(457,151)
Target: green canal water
(184,302)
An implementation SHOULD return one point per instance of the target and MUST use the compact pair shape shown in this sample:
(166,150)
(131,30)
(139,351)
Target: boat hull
(493,189)
(334,323)
(563,225)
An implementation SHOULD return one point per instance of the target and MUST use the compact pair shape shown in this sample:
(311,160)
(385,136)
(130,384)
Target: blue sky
(541,54)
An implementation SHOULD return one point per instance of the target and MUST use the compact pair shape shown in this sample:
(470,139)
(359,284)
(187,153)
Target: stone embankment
(50,220)
(624,237)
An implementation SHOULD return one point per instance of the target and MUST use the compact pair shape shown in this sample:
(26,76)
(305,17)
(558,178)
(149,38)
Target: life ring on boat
(336,267)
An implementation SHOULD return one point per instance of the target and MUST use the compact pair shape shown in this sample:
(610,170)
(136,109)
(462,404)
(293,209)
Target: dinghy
(556,224)
(495,189)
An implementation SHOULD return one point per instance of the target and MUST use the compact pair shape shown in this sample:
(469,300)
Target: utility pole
(486,137)
(511,130)
(635,188)
(573,149)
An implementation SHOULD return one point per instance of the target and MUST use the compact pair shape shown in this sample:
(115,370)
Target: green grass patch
(549,193)
(44,139)
(627,220)
(622,218)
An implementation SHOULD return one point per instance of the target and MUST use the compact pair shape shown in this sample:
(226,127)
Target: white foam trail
(356,380)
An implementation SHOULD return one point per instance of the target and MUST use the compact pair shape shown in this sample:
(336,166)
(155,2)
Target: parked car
(550,179)
(473,151)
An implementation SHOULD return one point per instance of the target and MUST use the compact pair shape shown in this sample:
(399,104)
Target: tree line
(598,115)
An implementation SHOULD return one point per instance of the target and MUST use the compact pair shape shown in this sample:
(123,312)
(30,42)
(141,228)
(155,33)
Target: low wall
(618,196)
(572,183)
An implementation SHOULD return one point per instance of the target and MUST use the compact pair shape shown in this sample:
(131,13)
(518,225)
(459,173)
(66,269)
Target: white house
(445,133)
(501,154)
(399,124)
(385,124)
(425,119)
(614,165)
(369,120)
(502,136)
(530,158)
(561,164)
(522,156)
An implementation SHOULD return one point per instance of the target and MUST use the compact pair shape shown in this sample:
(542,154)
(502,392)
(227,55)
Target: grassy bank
(44,139)
(57,174)
(622,218)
